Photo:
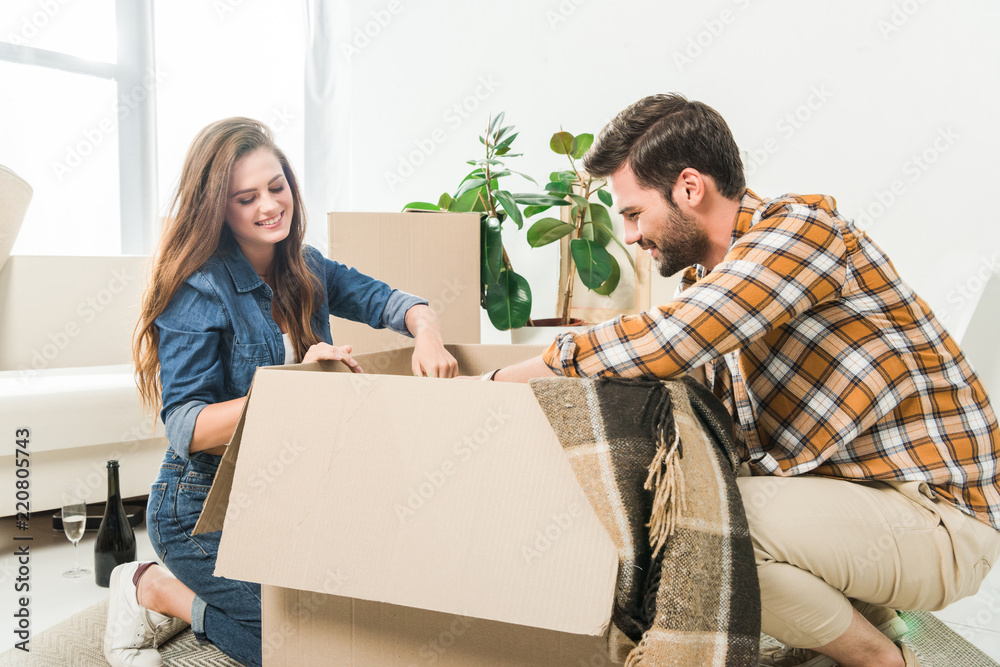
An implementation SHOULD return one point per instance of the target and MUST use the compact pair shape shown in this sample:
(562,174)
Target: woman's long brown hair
(195,229)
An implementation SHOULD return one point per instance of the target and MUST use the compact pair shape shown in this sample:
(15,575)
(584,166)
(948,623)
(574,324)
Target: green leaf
(612,282)
(580,199)
(588,231)
(604,230)
(507,142)
(600,234)
(469,184)
(445,201)
(523,175)
(557,187)
(547,230)
(422,206)
(502,132)
(567,176)
(605,197)
(542,200)
(479,203)
(628,253)
(492,250)
(508,301)
(509,207)
(465,203)
(535,210)
(600,215)
(581,144)
(497,120)
(592,262)
(561,143)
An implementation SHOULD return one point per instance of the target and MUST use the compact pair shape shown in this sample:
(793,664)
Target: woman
(232,289)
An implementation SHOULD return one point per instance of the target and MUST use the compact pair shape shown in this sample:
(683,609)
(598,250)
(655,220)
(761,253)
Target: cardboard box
(432,255)
(394,520)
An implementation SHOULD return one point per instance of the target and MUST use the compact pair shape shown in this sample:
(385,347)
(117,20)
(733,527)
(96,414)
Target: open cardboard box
(394,520)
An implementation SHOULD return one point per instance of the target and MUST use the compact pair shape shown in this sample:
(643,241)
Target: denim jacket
(218,328)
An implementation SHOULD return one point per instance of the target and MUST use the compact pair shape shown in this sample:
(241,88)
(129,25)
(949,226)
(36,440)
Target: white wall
(886,80)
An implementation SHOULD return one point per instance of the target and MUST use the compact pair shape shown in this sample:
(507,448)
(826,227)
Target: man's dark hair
(661,135)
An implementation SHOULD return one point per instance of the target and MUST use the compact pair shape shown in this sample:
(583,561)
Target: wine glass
(74,521)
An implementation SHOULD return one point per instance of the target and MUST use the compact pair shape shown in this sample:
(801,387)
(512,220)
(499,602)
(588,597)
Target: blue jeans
(225,612)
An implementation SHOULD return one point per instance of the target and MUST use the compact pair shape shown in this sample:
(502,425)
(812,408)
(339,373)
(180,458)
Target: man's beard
(682,244)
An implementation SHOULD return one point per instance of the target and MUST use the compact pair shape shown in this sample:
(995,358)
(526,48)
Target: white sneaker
(130,633)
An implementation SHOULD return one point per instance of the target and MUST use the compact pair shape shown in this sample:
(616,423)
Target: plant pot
(544,331)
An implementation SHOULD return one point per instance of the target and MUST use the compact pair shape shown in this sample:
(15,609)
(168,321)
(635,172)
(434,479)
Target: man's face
(674,239)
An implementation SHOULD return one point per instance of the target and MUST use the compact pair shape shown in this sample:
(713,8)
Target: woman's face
(259,207)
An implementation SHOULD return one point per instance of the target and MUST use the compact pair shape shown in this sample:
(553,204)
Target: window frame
(134,70)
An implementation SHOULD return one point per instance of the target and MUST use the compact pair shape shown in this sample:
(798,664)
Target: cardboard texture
(424,512)
(432,255)
(341,632)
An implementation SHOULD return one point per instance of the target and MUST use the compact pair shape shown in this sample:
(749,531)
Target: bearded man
(872,445)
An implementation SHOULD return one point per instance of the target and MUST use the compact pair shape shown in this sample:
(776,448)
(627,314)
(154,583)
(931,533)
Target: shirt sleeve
(361,298)
(791,260)
(394,315)
(191,369)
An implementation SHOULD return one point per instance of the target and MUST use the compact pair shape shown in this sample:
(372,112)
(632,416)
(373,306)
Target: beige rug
(77,641)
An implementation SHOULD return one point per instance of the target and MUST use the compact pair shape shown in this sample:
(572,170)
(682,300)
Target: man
(872,443)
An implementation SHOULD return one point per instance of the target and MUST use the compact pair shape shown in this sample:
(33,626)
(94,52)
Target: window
(103,98)
(79,123)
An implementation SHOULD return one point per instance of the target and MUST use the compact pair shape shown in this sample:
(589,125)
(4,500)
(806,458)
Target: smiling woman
(260,208)
(233,288)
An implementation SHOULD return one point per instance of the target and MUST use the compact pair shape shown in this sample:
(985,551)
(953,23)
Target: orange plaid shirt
(829,363)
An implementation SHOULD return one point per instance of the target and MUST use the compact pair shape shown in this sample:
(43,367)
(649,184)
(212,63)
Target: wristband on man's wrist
(489,377)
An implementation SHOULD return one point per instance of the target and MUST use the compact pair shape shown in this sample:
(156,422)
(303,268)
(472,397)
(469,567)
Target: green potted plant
(504,293)
(588,226)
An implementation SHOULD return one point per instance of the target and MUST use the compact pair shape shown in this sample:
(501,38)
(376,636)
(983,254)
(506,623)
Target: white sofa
(66,375)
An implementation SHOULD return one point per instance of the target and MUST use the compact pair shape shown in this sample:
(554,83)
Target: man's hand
(522,372)
(429,356)
(327,352)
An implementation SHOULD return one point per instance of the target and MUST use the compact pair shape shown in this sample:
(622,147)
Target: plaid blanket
(657,463)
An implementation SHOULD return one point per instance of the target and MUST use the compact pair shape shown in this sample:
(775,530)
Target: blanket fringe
(637,657)
(667,478)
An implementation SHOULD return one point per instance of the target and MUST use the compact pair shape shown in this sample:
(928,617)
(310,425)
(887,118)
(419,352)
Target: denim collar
(244,277)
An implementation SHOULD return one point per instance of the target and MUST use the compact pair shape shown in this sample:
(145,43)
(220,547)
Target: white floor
(54,598)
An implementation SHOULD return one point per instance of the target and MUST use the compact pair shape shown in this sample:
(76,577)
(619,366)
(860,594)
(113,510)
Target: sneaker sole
(113,610)
(114,613)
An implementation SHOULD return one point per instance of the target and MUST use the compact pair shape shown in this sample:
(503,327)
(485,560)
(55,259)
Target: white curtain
(328,140)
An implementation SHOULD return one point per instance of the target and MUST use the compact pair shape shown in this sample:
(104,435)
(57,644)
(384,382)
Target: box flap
(433,256)
(213,512)
(472,359)
(447,495)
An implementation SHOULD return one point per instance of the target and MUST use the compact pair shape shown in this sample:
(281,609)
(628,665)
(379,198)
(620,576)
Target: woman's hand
(327,352)
(429,356)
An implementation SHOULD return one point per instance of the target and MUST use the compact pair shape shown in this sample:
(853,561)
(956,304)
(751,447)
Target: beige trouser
(820,541)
